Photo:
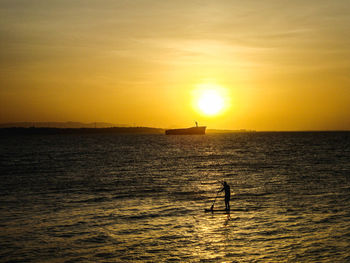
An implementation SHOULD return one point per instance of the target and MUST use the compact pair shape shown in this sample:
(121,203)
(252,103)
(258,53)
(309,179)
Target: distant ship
(198,130)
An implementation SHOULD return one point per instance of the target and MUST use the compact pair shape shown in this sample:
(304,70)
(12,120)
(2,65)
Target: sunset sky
(268,65)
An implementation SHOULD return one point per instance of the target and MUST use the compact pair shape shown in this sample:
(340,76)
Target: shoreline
(127,130)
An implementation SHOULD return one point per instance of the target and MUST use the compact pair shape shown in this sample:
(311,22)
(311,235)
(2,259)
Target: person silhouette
(226,187)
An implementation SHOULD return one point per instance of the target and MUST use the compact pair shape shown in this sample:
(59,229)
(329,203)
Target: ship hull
(189,131)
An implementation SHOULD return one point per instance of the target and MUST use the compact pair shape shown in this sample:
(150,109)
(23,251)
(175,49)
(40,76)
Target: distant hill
(69,124)
(51,131)
(80,127)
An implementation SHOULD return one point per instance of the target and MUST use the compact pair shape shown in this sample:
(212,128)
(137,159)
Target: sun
(210,99)
(210,102)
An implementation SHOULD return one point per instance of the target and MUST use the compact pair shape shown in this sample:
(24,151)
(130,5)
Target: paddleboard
(222,210)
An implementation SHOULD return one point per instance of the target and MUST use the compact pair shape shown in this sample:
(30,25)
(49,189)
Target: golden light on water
(210,99)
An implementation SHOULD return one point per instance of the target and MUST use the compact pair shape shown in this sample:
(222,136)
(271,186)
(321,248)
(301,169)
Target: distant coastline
(27,128)
(23,128)
(111,130)
(124,130)
(68,124)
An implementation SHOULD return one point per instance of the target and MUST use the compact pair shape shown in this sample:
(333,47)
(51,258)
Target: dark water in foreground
(139,198)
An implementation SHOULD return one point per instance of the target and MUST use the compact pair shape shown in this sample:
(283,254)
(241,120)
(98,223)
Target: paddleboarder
(226,188)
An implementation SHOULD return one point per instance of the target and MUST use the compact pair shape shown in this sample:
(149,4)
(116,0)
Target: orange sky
(284,65)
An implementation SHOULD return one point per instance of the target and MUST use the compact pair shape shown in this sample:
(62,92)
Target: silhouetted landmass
(68,124)
(18,128)
(116,130)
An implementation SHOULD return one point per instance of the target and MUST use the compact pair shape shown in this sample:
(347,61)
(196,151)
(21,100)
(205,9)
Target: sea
(142,198)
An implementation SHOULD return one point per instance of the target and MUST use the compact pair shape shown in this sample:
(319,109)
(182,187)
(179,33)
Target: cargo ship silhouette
(198,130)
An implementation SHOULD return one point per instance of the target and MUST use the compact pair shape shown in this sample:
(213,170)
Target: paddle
(212,206)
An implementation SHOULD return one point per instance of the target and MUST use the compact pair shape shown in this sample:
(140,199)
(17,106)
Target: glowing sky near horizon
(284,64)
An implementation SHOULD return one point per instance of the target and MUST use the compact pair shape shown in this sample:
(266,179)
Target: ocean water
(141,198)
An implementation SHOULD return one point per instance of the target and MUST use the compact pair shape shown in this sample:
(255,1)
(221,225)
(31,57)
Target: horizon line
(150,127)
